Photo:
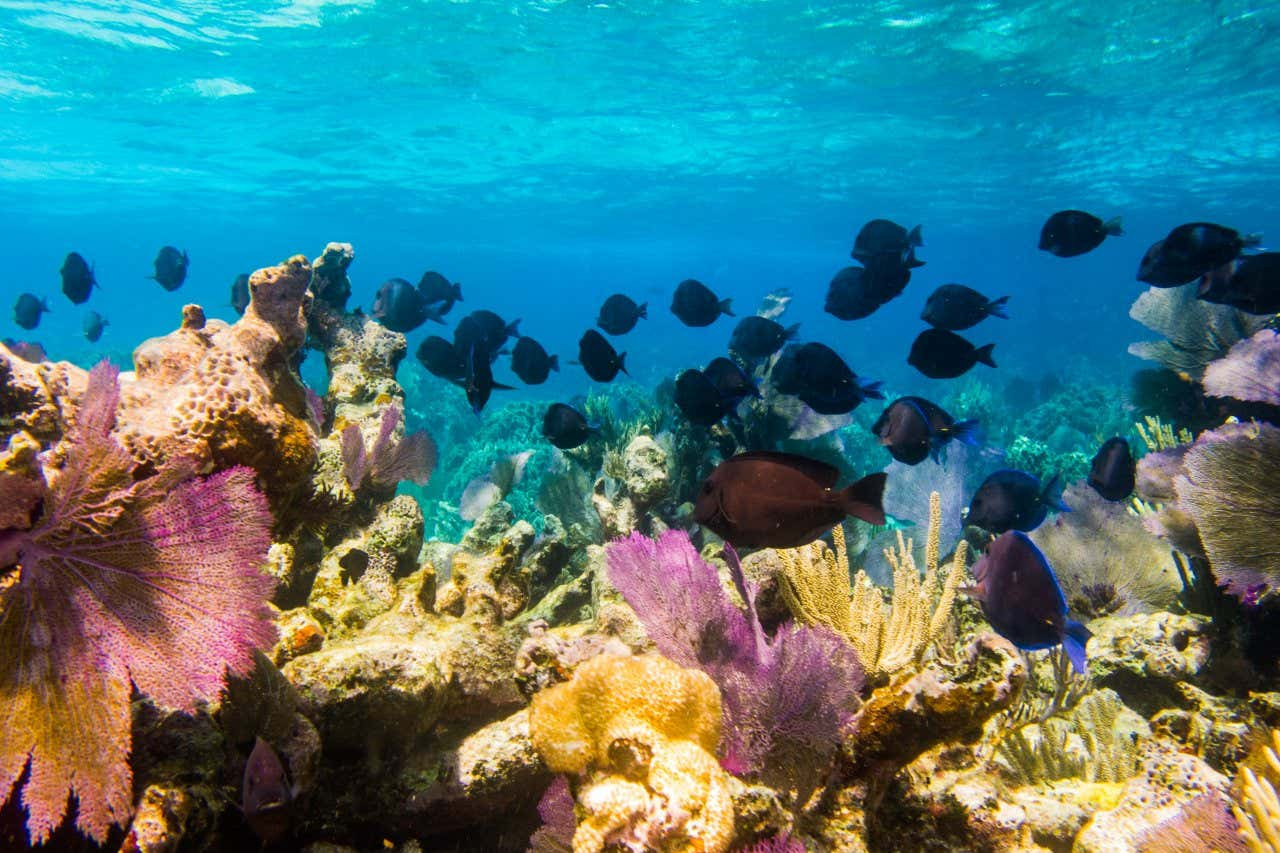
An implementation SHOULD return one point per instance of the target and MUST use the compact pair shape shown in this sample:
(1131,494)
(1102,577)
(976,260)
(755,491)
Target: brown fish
(766,499)
(267,794)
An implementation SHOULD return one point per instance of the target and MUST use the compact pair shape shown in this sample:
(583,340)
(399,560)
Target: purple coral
(389,461)
(782,843)
(121,582)
(786,698)
(558,820)
(1249,372)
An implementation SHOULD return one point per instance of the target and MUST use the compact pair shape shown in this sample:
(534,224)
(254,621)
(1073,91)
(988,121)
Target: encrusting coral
(642,732)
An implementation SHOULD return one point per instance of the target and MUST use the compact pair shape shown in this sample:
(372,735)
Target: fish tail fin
(724,307)
(554,363)
(872,390)
(863,499)
(643,310)
(914,237)
(995,308)
(456,292)
(1074,639)
(513,328)
(791,331)
(966,432)
(622,363)
(1051,494)
(1251,241)
(983,354)
(1113,226)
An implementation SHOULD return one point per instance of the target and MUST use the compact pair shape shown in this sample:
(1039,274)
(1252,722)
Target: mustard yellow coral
(643,732)
(1257,806)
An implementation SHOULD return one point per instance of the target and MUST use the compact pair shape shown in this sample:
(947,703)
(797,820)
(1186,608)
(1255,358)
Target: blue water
(548,154)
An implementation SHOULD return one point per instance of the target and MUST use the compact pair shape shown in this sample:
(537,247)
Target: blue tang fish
(1021,598)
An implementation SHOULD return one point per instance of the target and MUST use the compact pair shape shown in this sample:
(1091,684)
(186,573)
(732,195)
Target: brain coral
(644,731)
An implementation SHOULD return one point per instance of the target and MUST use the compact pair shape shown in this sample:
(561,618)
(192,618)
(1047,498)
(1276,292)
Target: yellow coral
(889,637)
(1158,435)
(1258,806)
(644,731)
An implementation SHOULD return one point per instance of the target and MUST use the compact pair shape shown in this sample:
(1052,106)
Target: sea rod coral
(121,582)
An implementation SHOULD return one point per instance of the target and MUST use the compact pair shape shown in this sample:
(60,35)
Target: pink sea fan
(389,461)
(154,583)
(558,820)
(782,843)
(1250,371)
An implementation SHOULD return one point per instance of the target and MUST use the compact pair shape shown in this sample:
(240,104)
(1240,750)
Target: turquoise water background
(548,154)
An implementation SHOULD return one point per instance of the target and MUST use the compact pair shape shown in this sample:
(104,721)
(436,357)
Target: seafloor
(580,667)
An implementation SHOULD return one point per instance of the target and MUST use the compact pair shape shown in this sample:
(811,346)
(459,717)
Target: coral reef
(1195,332)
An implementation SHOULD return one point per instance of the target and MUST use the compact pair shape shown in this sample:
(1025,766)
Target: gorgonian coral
(1249,372)
(785,697)
(120,582)
(389,460)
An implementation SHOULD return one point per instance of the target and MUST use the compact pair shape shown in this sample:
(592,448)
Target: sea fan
(1250,371)
(389,461)
(153,583)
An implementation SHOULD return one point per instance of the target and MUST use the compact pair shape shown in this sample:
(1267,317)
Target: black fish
(1013,500)
(400,307)
(267,795)
(821,379)
(956,307)
(696,305)
(601,361)
(435,288)
(912,429)
(531,363)
(27,310)
(619,314)
(94,323)
(1250,284)
(440,358)
(1112,472)
(780,500)
(1073,232)
(940,354)
(698,398)
(77,278)
(1022,600)
(479,382)
(856,292)
(730,380)
(240,293)
(881,237)
(759,337)
(565,427)
(1192,250)
(171,268)
(485,329)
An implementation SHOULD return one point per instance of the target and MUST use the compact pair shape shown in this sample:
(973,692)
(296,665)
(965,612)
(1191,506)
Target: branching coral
(1257,807)
(889,637)
(1088,745)
(153,582)
(1159,436)
(643,731)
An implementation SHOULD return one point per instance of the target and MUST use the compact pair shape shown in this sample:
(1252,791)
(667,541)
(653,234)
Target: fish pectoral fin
(721,510)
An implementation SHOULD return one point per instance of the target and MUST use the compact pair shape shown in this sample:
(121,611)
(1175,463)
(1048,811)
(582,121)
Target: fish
(435,288)
(940,354)
(1192,250)
(1250,284)
(758,337)
(566,427)
(93,325)
(531,363)
(1111,474)
(766,499)
(478,381)
(441,358)
(171,267)
(912,429)
(1021,598)
(1013,500)
(730,380)
(266,795)
(698,399)
(619,314)
(598,357)
(400,307)
(77,278)
(696,305)
(26,350)
(821,379)
(881,237)
(240,293)
(28,309)
(485,329)
(856,292)
(491,487)
(1069,233)
(955,307)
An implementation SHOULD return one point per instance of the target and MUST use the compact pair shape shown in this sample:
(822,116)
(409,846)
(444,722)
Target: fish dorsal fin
(822,473)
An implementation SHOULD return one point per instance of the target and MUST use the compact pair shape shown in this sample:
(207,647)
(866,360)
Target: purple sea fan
(389,461)
(785,698)
(1249,372)
(154,583)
